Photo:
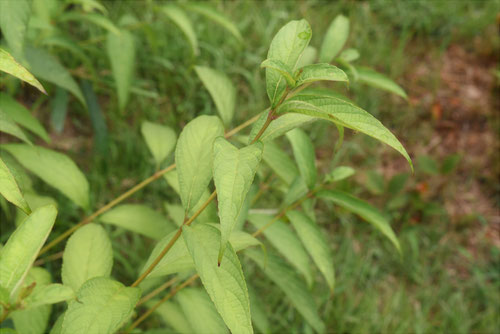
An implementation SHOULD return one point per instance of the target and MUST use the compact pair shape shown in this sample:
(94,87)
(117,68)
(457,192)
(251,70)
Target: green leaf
(234,170)
(160,140)
(216,17)
(54,168)
(193,156)
(304,153)
(14,17)
(21,250)
(140,219)
(297,190)
(173,316)
(45,66)
(345,114)
(335,38)
(316,244)
(279,126)
(427,164)
(50,294)
(121,53)
(349,55)
(94,18)
(378,80)
(200,311)
(339,173)
(96,118)
(259,312)
(7,125)
(224,283)
(286,242)
(179,17)
(10,190)
(287,47)
(19,114)
(374,182)
(308,56)
(102,306)
(279,162)
(362,209)
(397,183)
(88,254)
(222,90)
(318,72)
(282,68)
(9,65)
(59,109)
(294,288)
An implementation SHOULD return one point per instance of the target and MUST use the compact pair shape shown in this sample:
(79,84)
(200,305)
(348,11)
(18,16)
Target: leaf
(286,242)
(14,17)
(279,126)
(50,294)
(59,109)
(339,173)
(45,66)
(172,315)
(315,243)
(19,114)
(140,219)
(286,279)
(297,190)
(55,168)
(225,282)
(160,140)
(221,89)
(335,38)
(427,165)
(7,125)
(9,65)
(259,312)
(96,117)
(279,162)
(179,17)
(318,72)
(216,17)
(121,53)
(88,254)
(282,68)
(193,156)
(378,80)
(362,209)
(102,306)
(287,47)
(94,18)
(200,311)
(304,153)
(345,114)
(374,182)
(10,190)
(234,170)
(21,250)
(308,56)
(349,55)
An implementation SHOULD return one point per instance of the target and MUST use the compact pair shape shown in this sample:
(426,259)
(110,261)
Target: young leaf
(362,209)
(345,114)
(172,315)
(7,125)
(102,306)
(14,17)
(234,170)
(335,38)
(140,219)
(121,52)
(349,55)
(9,65)
(221,89)
(225,282)
(287,47)
(279,126)
(286,242)
(10,190)
(279,162)
(179,17)
(282,68)
(304,153)
(294,288)
(160,140)
(19,114)
(54,168)
(375,79)
(315,243)
(193,156)
(50,294)
(21,249)
(339,174)
(87,254)
(318,72)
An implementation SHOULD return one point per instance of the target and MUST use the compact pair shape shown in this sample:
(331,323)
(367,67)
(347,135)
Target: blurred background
(444,54)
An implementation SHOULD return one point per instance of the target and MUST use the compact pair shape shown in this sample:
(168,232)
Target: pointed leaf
(102,306)
(362,209)
(221,89)
(50,294)
(7,125)
(179,17)
(54,168)
(87,254)
(193,156)
(21,250)
(225,284)
(318,72)
(160,140)
(14,18)
(304,153)
(335,38)
(279,126)
(296,191)
(10,190)
(340,173)
(279,162)
(375,79)
(316,244)
(282,68)
(349,55)
(234,171)
(287,47)
(94,18)
(172,315)
(216,17)
(9,65)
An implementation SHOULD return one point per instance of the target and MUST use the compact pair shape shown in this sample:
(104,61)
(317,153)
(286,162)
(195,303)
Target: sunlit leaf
(9,65)
(50,294)
(304,153)
(319,72)
(279,126)
(308,56)
(14,18)
(282,68)
(160,140)
(334,39)
(339,173)
(349,55)
(10,190)
(378,80)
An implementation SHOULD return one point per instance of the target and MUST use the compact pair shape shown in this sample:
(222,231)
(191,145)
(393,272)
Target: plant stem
(156,291)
